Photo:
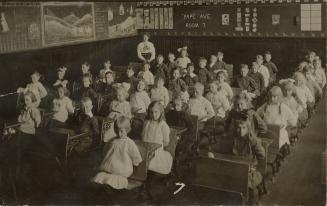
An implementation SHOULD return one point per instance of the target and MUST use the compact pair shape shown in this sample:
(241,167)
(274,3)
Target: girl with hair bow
(183,60)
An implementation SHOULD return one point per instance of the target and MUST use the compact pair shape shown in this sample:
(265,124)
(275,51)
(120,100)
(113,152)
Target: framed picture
(67,22)
(225,19)
(275,19)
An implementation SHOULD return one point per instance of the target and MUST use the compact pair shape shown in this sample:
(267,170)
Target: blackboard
(20,26)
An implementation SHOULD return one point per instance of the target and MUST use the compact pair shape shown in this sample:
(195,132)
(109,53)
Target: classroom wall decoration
(20,26)
(115,19)
(67,22)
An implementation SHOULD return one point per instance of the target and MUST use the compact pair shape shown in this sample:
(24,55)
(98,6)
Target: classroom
(187,102)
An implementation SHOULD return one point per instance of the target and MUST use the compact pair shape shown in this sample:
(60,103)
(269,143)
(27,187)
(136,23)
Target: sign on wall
(67,22)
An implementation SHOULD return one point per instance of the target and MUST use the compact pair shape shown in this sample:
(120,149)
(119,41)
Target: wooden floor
(300,180)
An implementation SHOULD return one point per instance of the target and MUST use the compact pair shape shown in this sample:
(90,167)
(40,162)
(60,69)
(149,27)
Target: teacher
(145,49)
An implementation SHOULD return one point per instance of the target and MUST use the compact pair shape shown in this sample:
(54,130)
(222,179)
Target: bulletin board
(244,20)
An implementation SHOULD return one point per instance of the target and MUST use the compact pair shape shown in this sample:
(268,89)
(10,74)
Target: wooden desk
(262,164)
(147,150)
(223,172)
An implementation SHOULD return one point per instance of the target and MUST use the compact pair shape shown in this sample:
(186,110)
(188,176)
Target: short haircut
(199,86)
(202,59)
(259,56)
(160,56)
(190,65)
(122,122)
(268,53)
(31,95)
(244,66)
(86,99)
(220,53)
(111,73)
(66,91)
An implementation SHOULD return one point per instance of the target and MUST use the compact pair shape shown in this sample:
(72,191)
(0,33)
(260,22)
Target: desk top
(230,158)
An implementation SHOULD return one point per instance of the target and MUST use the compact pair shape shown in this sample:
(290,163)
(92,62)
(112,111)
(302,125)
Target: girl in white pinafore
(277,113)
(157,131)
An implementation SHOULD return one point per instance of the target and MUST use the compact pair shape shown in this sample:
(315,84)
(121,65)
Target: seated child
(171,62)
(161,69)
(190,78)
(106,86)
(200,106)
(120,155)
(311,55)
(312,83)
(86,90)
(183,60)
(257,77)
(203,74)
(146,75)
(87,124)
(85,70)
(221,65)
(61,80)
(224,86)
(319,73)
(118,107)
(271,67)
(36,87)
(130,79)
(160,93)
(277,113)
(62,106)
(304,94)
(140,100)
(263,70)
(157,131)
(243,108)
(213,65)
(178,87)
(176,114)
(102,72)
(301,66)
(245,82)
(218,100)
(246,144)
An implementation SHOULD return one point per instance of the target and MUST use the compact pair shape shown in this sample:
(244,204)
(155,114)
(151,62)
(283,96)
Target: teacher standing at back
(145,49)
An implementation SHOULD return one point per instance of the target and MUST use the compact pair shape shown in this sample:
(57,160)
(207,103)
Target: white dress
(118,162)
(200,107)
(161,95)
(140,102)
(219,102)
(158,132)
(265,73)
(281,115)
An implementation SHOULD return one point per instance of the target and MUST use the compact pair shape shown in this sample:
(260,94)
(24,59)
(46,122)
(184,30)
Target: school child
(120,155)
(203,74)
(30,116)
(176,115)
(118,107)
(291,99)
(272,68)
(146,74)
(218,101)
(86,90)
(213,65)
(36,87)
(221,63)
(319,73)
(171,65)
(183,60)
(156,130)
(304,94)
(177,87)
(257,77)
(85,71)
(140,100)
(102,72)
(161,69)
(246,144)
(61,80)
(312,83)
(263,70)
(242,107)
(106,87)
(245,82)
(62,105)
(224,86)
(200,106)
(159,92)
(301,66)
(277,113)
(130,79)
(190,78)
(146,52)
(311,55)
(89,124)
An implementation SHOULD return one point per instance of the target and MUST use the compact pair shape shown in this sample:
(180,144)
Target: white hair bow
(181,49)
(283,81)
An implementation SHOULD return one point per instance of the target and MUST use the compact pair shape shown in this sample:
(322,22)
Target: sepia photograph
(187,102)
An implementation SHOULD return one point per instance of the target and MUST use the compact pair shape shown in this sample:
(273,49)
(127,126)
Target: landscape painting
(65,22)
